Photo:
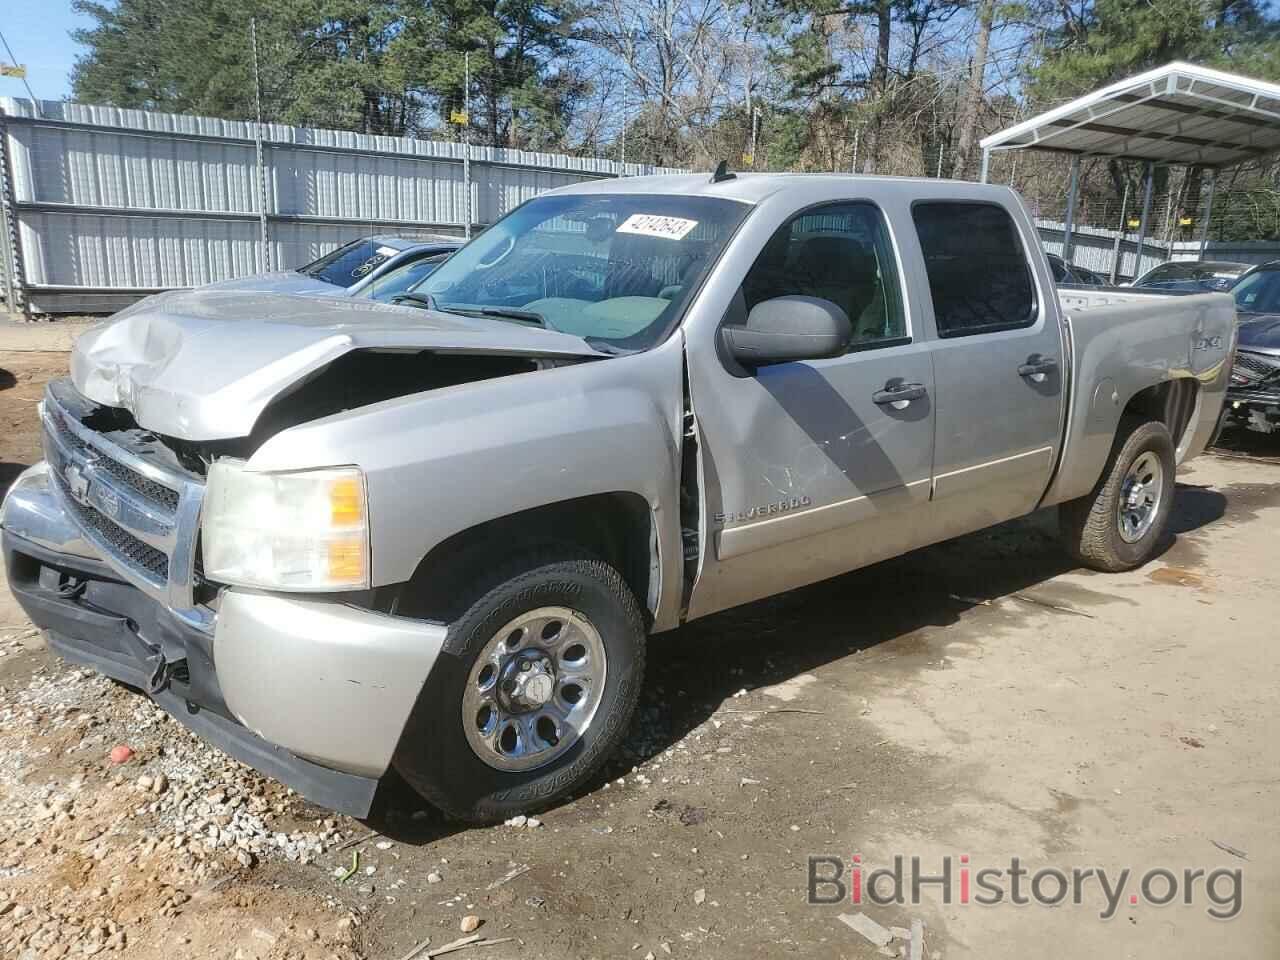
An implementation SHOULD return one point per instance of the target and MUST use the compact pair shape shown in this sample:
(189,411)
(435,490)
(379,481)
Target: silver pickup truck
(336,536)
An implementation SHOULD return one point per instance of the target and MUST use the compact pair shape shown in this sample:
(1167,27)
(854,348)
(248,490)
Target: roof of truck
(744,187)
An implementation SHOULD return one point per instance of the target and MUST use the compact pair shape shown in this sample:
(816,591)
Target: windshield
(1259,292)
(617,270)
(399,279)
(349,264)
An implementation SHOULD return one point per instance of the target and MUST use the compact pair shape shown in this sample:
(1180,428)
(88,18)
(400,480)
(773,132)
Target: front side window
(840,253)
(615,269)
(978,273)
(351,263)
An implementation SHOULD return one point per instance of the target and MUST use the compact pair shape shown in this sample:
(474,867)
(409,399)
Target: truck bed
(1184,337)
(1087,298)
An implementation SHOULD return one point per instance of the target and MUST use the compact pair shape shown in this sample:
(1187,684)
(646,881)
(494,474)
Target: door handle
(1037,368)
(899,394)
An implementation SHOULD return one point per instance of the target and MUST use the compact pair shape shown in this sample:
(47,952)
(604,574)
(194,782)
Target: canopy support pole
(986,166)
(1145,218)
(1069,226)
(1208,212)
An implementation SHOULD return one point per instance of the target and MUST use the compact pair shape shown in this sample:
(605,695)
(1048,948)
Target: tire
(1092,526)
(442,760)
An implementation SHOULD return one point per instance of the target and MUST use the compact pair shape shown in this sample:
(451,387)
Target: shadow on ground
(693,670)
(1250,444)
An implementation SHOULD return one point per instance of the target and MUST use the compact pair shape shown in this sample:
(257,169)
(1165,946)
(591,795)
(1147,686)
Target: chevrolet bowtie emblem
(77,483)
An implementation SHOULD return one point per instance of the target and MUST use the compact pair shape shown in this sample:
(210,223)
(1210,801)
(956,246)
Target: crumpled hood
(203,364)
(1260,334)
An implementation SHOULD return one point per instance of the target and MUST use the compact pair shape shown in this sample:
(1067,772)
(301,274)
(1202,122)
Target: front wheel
(1119,525)
(534,688)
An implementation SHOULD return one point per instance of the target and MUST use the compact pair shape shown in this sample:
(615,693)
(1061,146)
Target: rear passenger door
(998,365)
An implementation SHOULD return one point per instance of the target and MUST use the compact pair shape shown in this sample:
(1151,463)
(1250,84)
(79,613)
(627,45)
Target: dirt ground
(981,698)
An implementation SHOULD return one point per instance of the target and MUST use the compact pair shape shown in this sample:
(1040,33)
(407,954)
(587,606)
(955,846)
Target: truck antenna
(722,173)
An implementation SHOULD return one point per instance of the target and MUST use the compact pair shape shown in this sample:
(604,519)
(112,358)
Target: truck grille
(124,544)
(155,492)
(1259,366)
(141,516)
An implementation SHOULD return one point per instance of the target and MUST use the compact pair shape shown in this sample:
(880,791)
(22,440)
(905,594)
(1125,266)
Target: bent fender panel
(440,463)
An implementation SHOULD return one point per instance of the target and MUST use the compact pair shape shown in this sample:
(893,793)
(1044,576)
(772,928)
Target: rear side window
(978,273)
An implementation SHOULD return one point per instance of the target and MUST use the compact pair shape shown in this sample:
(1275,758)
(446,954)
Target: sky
(37,30)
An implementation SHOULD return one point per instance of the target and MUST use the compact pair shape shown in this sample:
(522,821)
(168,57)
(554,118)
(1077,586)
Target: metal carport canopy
(1175,114)
(1178,114)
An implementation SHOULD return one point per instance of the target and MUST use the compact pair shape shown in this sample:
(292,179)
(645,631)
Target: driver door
(812,468)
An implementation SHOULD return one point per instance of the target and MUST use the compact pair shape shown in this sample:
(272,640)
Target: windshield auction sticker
(652,225)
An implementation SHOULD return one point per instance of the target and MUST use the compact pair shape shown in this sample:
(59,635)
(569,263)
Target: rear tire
(568,607)
(1120,523)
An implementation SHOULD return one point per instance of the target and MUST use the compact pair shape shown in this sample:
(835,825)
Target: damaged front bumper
(313,692)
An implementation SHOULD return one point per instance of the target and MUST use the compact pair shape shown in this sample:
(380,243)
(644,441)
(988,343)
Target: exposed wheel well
(1172,403)
(616,527)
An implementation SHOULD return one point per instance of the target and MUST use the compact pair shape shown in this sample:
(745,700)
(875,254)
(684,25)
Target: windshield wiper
(525,316)
(421,299)
(500,313)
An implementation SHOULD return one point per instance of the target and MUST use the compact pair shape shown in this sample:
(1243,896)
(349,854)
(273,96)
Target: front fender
(441,462)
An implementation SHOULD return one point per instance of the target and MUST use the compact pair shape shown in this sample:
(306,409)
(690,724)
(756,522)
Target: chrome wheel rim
(534,689)
(1140,495)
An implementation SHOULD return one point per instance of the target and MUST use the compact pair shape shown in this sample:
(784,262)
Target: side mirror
(788,328)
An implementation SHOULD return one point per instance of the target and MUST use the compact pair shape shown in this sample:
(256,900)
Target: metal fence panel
(1096,249)
(112,204)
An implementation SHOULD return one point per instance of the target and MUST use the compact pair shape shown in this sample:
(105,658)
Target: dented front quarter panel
(204,364)
(441,462)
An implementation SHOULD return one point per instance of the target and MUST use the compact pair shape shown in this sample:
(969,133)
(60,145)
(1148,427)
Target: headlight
(305,530)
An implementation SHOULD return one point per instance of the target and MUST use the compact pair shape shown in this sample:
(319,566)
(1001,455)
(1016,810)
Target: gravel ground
(979,697)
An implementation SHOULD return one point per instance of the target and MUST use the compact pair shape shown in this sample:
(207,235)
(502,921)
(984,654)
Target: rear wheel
(1119,525)
(534,688)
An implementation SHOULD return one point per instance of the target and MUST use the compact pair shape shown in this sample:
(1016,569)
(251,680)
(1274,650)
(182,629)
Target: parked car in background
(389,284)
(347,271)
(1217,275)
(1253,398)
(1070,274)
(1089,278)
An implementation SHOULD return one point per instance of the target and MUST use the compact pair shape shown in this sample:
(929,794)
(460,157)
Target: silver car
(351,270)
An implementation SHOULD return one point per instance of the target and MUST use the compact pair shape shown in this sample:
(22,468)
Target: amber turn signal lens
(346,502)
(346,560)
